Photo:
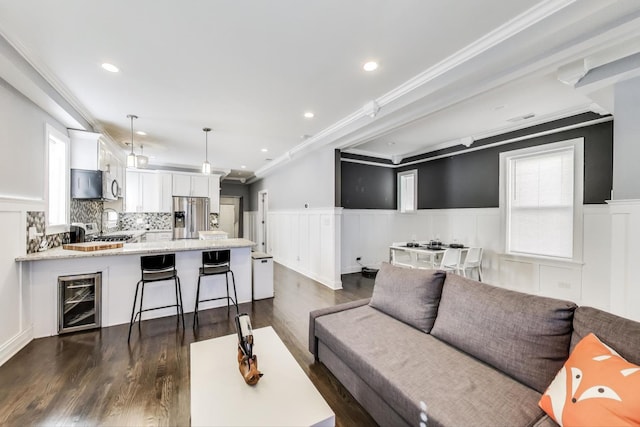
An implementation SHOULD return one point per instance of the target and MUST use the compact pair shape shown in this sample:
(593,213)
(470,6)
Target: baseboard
(329,283)
(15,344)
(358,268)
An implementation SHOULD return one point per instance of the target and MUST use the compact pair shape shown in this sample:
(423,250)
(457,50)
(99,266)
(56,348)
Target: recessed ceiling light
(139,132)
(264,150)
(308,115)
(243,167)
(370,66)
(110,67)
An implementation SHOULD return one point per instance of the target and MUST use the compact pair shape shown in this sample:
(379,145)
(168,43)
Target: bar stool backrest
(155,263)
(216,258)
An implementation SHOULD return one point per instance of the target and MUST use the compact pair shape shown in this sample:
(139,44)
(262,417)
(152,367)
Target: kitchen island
(121,271)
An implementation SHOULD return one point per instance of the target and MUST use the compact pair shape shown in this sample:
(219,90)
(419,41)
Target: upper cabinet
(151,191)
(190,185)
(91,151)
(214,193)
(148,191)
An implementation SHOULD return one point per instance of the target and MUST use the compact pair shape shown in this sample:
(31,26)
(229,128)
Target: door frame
(263,213)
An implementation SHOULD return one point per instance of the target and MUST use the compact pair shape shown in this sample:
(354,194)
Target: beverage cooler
(79,302)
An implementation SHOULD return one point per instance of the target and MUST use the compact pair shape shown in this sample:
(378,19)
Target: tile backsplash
(153,221)
(37,219)
(144,220)
(85,211)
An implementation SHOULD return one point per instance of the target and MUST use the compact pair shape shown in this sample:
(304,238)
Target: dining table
(419,250)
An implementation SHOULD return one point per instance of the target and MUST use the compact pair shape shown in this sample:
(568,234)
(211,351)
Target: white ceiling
(250,69)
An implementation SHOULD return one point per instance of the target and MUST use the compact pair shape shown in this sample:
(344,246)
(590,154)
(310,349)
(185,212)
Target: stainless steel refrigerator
(190,215)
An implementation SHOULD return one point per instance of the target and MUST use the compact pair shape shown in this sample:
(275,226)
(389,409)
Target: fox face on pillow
(595,387)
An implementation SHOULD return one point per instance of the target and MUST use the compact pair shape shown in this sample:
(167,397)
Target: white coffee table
(284,396)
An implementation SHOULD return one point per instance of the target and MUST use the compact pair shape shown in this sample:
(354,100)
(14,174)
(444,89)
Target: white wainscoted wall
(305,240)
(15,298)
(368,234)
(250,225)
(625,257)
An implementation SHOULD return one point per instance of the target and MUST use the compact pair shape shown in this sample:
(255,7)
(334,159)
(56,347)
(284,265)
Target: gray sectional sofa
(443,350)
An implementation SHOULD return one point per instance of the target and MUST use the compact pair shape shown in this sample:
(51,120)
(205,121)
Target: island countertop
(140,248)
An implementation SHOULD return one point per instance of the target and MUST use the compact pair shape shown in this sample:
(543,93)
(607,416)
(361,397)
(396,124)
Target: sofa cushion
(525,336)
(410,295)
(407,367)
(596,386)
(617,332)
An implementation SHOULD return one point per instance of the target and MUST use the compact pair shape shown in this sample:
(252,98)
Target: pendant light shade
(141,159)
(132,161)
(206,166)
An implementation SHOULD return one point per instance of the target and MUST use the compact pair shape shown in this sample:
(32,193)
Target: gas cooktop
(113,238)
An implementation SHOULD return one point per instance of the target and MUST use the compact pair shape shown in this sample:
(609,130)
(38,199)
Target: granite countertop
(141,248)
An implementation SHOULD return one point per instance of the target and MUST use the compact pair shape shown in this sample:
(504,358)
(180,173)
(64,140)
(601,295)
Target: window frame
(53,133)
(577,144)
(400,176)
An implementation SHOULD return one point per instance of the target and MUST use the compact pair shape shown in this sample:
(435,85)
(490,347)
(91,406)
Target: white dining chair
(472,261)
(450,260)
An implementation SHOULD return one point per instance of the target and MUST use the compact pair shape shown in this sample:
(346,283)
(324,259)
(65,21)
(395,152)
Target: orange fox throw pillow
(595,387)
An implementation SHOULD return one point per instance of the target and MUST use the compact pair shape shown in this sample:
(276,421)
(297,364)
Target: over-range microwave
(94,185)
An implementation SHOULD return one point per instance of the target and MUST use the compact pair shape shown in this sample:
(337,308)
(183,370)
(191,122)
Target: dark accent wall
(367,187)
(231,188)
(471,180)
(337,170)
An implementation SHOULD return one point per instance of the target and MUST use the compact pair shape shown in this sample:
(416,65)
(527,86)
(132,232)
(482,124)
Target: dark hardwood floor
(95,378)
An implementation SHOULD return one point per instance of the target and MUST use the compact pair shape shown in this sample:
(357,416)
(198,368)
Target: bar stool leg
(226,276)
(133,310)
(181,306)
(235,294)
(195,312)
(140,311)
(175,288)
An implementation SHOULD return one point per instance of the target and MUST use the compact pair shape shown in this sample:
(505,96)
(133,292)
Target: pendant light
(206,166)
(141,159)
(132,162)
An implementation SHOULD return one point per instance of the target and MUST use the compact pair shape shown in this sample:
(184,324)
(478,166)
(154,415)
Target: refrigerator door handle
(192,217)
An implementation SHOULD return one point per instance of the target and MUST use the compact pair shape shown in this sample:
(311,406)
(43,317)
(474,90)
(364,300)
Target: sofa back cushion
(525,336)
(409,295)
(617,332)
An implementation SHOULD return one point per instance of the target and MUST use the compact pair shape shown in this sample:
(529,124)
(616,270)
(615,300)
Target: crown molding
(515,26)
(48,76)
(329,135)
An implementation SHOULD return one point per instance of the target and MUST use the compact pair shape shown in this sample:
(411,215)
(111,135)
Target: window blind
(540,208)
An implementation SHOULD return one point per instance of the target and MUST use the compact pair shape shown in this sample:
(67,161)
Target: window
(541,200)
(408,191)
(57,187)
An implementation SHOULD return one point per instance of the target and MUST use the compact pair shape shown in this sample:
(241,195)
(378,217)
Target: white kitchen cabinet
(91,151)
(190,185)
(148,191)
(132,192)
(214,193)
(200,185)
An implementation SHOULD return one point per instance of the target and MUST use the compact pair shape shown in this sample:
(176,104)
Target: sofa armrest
(313,348)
